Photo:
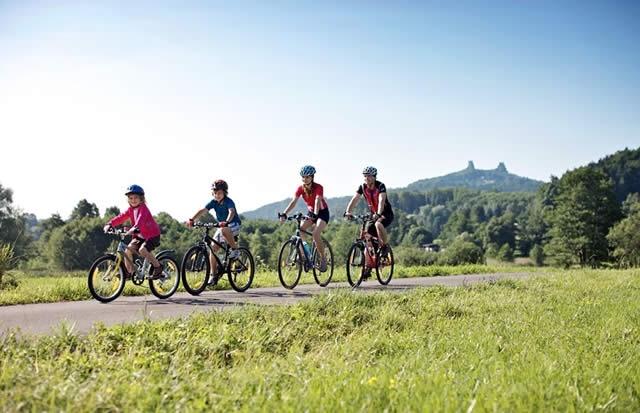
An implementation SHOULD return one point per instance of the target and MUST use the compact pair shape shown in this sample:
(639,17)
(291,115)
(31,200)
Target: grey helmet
(307,170)
(370,170)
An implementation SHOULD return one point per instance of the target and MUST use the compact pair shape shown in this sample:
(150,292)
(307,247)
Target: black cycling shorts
(387,219)
(324,215)
(150,244)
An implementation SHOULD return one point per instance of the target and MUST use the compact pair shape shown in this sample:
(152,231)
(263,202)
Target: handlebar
(365,217)
(206,224)
(296,217)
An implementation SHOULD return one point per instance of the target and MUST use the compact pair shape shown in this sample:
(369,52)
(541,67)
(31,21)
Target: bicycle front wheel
(241,270)
(195,270)
(384,267)
(167,285)
(289,265)
(323,278)
(106,278)
(355,264)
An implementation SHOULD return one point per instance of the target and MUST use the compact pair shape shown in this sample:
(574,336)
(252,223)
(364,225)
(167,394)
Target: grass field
(564,342)
(47,287)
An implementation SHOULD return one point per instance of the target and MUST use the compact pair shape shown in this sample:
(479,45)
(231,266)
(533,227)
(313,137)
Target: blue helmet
(134,189)
(307,170)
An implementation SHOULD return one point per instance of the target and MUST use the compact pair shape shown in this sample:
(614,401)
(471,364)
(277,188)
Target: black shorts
(387,219)
(150,244)
(324,215)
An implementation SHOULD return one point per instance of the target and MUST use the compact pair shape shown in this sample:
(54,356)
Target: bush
(6,256)
(505,253)
(492,250)
(461,252)
(410,257)
(537,255)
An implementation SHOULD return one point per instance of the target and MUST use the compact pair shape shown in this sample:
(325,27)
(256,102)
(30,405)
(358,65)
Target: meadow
(569,341)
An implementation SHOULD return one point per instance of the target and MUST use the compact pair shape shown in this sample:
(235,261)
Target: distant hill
(498,179)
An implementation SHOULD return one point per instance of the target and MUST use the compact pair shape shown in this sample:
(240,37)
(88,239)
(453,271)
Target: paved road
(44,318)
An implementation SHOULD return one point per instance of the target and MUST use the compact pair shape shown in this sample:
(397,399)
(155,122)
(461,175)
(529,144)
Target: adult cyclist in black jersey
(375,193)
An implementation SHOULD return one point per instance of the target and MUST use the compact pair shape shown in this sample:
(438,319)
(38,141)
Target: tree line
(588,217)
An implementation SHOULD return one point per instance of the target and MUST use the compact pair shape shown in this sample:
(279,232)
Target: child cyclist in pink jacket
(145,231)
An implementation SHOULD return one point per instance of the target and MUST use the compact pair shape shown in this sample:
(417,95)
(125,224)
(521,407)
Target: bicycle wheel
(241,270)
(106,278)
(289,265)
(195,270)
(384,267)
(167,285)
(355,264)
(323,278)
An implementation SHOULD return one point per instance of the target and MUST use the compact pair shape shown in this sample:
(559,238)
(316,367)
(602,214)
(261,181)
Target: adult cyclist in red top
(313,195)
(375,192)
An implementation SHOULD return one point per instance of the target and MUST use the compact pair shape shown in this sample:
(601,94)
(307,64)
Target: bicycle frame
(367,239)
(297,238)
(206,242)
(138,269)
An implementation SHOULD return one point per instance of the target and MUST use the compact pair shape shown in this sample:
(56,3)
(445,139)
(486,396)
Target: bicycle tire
(242,265)
(195,270)
(289,262)
(165,287)
(317,275)
(107,264)
(355,264)
(383,263)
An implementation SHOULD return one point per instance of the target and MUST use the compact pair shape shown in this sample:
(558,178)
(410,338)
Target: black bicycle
(294,258)
(365,254)
(107,273)
(196,267)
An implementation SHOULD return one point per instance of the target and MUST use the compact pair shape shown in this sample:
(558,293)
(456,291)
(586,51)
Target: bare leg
(213,262)
(148,255)
(228,235)
(382,232)
(317,236)
(131,248)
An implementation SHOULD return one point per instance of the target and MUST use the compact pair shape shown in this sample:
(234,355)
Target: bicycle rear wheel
(384,267)
(289,265)
(106,278)
(167,285)
(323,278)
(195,270)
(355,264)
(241,270)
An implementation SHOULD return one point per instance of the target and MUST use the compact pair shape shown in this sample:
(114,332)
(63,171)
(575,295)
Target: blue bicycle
(294,258)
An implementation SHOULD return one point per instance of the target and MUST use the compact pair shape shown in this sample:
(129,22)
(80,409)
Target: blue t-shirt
(222,209)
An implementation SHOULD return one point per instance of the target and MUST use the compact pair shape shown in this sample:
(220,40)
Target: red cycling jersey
(311,199)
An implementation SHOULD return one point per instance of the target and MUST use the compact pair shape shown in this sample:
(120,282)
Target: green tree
(585,209)
(417,237)
(85,209)
(76,244)
(505,253)
(112,211)
(624,238)
(537,255)
(461,252)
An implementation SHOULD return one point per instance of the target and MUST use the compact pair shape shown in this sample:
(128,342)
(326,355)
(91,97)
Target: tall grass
(565,342)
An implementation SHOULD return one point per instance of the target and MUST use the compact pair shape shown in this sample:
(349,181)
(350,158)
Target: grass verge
(569,341)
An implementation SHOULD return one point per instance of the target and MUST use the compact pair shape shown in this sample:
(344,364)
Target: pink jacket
(144,222)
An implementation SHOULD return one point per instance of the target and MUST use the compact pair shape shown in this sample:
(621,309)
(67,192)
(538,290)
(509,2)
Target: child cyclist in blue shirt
(226,215)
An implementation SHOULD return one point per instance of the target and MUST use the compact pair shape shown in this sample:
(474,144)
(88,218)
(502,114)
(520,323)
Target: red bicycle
(365,254)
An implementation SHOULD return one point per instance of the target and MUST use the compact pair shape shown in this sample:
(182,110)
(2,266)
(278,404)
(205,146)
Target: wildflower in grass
(372,381)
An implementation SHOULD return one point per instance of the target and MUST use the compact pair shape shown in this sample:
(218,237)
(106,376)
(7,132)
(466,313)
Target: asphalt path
(80,316)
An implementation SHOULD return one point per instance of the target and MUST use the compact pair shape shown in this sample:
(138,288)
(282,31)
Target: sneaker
(367,273)
(323,265)
(156,273)
(234,254)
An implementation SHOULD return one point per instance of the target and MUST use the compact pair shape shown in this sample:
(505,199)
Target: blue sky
(172,95)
